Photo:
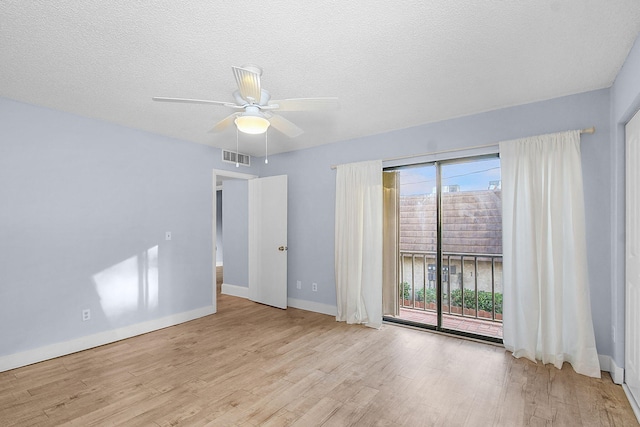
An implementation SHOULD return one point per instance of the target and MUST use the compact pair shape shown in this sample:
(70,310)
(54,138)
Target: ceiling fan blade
(285,126)
(224,123)
(248,80)
(192,101)
(307,104)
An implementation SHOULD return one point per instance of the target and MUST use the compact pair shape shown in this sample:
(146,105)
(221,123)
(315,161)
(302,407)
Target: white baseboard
(316,307)
(218,263)
(607,364)
(235,290)
(40,354)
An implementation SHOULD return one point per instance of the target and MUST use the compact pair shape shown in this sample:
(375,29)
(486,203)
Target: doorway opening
(448,246)
(219,245)
(228,230)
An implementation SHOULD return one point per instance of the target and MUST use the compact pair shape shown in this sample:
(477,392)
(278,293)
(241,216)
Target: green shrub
(428,295)
(484,300)
(406,291)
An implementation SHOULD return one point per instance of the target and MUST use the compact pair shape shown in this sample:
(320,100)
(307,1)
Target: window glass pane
(472,245)
(418,244)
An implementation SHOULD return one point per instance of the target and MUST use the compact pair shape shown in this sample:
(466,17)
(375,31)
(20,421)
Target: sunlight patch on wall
(150,295)
(130,285)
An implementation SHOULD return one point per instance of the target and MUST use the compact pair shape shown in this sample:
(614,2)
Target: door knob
(282,248)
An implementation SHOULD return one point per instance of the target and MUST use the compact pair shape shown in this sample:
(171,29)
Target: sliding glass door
(449,246)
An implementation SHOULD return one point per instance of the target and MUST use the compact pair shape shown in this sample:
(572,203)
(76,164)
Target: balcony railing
(471,283)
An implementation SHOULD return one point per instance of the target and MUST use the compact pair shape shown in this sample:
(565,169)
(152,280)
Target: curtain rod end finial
(590,130)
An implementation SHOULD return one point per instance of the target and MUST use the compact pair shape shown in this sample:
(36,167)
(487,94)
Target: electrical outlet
(314,287)
(167,235)
(299,284)
(86,314)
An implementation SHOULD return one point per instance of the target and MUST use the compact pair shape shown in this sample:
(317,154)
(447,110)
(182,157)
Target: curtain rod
(590,130)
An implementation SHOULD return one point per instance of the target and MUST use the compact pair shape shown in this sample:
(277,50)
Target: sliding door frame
(439,246)
(439,304)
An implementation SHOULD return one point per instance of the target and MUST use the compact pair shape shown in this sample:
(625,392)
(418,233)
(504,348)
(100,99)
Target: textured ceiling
(392,64)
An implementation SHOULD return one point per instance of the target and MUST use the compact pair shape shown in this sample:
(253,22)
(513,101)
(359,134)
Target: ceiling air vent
(233,157)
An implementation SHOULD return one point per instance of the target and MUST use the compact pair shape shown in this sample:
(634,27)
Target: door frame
(631,239)
(223,175)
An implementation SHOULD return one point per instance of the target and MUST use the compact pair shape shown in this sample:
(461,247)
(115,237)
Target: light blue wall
(312,186)
(219,243)
(625,101)
(235,209)
(84,207)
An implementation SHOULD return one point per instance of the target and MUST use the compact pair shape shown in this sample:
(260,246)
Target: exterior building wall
(483,273)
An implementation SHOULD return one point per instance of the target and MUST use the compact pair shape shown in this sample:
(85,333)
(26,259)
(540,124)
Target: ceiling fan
(256,109)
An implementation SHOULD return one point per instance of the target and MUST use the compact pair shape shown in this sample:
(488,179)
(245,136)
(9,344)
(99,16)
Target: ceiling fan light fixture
(254,125)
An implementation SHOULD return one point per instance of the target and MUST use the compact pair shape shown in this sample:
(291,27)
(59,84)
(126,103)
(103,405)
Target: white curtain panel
(547,310)
(358,243)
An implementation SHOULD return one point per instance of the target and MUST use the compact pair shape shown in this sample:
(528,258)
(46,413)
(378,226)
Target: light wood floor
(219,277)
(251,365)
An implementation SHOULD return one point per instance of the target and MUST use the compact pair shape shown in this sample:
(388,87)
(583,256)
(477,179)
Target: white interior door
(268,240)
(632,276)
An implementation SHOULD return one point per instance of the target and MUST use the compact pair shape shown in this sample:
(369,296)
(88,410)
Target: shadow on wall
(129,286)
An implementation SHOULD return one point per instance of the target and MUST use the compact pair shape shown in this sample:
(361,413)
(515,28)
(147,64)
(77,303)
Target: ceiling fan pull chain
(237,154)
(266,147)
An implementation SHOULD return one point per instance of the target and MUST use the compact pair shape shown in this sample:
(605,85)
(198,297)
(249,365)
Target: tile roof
(471,222)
